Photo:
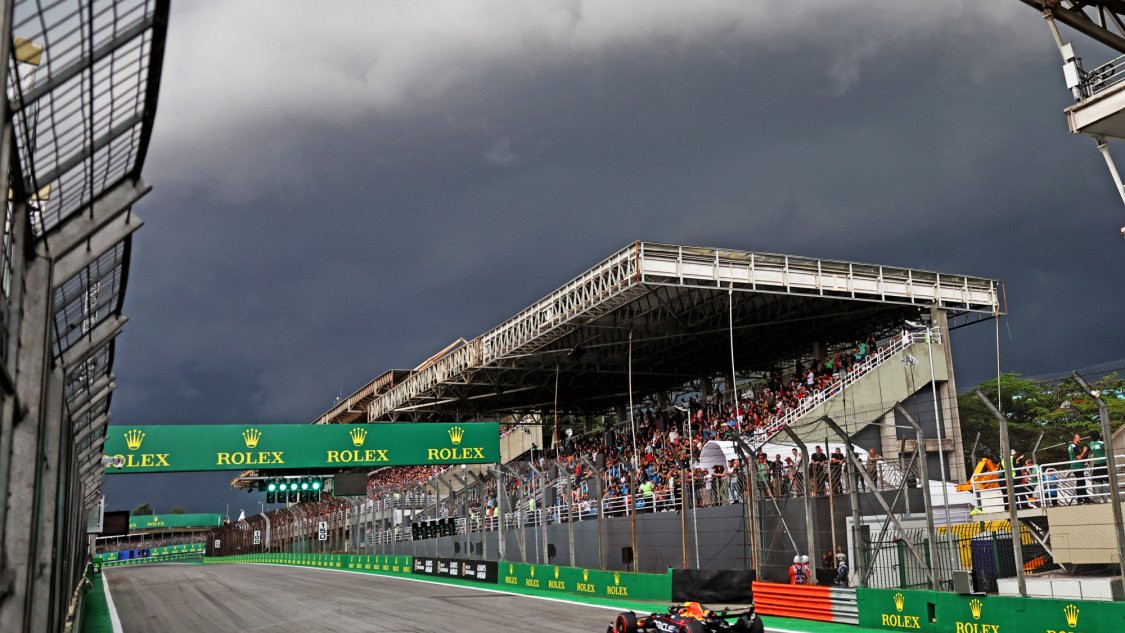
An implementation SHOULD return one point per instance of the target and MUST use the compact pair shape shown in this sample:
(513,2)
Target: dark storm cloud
(341,194)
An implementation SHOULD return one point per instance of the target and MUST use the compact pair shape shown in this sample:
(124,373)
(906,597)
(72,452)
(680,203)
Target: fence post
(810,535)
(926,500)
(879,497)
(749,461)
(1009,485)
(1111,471)
(598,494)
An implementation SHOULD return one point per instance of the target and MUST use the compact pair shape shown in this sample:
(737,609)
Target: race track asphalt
(175,598)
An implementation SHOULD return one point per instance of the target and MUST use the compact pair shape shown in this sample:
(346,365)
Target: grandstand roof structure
(665,315)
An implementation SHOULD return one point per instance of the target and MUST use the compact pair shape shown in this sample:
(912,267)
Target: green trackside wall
(521,577)
(167,550)
(594,583)
(930,611)
(380,564)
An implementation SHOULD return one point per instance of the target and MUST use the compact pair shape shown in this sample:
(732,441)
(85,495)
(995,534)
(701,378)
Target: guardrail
(1062,483)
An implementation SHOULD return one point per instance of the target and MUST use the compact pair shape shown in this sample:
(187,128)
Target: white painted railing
(839,385)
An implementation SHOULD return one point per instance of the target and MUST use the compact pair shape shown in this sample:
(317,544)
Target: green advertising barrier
(129,562)
(586,582)
(159,521)
(173,448)
(194,548)
(911,610)
(366,563)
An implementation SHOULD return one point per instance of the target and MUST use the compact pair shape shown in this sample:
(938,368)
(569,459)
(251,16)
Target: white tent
(720,452)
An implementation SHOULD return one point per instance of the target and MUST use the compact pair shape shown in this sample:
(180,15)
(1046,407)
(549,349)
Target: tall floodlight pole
(632,419)
(733,379)
(930,331)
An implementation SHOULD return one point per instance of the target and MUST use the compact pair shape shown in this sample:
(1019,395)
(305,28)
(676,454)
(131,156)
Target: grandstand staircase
(891,375)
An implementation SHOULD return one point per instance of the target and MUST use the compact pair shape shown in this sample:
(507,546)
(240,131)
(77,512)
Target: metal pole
(598,496)
(878,495)
(748,459)
(569,518)
(632,420)
(632,509)
(501,496)
(683,521)
(733,376)
(923,472)
(1013,515)
(939,422)
(1111,471)
(810,541)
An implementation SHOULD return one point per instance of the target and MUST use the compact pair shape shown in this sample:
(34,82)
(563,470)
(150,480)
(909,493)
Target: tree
(1042,413)
(143,509)
(176,510)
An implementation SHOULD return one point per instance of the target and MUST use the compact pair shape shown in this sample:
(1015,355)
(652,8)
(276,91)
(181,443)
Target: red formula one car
(689,617)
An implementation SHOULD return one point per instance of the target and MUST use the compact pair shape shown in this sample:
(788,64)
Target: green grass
(95,611)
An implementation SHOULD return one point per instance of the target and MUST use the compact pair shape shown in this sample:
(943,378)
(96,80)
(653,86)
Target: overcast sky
(342,190)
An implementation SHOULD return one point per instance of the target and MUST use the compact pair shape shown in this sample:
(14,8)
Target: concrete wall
(666,539)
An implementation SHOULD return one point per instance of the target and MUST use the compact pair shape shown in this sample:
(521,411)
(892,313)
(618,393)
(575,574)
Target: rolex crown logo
(251,437)
(456,434)
(133,438)
(511,569)
(556,573)
(1071,613)
(585,575)
(533,572)
(899,600)
(974,606)
(358,435)
(617,578)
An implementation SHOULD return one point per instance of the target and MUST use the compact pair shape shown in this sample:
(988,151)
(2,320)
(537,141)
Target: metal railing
(1063,483)
(839,385)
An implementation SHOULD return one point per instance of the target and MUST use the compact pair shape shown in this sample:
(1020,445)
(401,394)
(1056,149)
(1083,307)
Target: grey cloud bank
(341,192)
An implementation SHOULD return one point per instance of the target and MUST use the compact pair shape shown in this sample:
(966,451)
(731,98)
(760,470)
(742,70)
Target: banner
(165,521)
(587,582)
(175,448)
(475,570)
(913,610)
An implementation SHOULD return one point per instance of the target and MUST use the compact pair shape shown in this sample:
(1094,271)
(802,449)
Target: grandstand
(648,339)
(676,314)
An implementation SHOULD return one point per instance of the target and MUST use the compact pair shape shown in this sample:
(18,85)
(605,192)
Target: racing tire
(691,626)
(626,622)
(746,625)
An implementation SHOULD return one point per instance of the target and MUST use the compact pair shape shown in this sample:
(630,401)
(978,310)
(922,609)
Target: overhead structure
(81,84)
(672,313)
(1098,91)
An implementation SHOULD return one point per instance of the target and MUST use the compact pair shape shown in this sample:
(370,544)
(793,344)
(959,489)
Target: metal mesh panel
(80,111)
(86,299)
(89,371)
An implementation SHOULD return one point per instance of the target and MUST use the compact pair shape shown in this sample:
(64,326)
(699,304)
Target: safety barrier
(806,602)
(166,550)
(147,560)
(586,582)
(545,579)
(845,607)
(912,610)
(372,563)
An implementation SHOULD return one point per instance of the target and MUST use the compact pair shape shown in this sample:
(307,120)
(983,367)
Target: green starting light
(316,484)
(304,484)
(272,486)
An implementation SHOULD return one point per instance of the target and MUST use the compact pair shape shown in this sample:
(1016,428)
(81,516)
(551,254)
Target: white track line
(114,620)
(770,629)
